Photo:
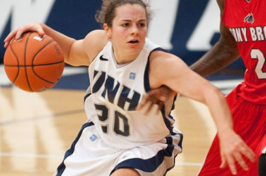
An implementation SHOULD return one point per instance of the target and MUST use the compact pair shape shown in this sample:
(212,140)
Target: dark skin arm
(156,96)
(222,54)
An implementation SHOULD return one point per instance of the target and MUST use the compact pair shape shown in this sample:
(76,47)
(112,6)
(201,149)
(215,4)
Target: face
(128,31)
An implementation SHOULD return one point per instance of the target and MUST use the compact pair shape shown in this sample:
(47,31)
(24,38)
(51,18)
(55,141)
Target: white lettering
(23,11)
(259,33)
(206,28)
(253,34)
(238,35)
(162,24)
(257,54)
(233,32)
(244,31)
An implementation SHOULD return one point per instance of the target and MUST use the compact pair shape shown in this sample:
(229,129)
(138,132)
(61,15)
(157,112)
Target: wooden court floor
(37,128)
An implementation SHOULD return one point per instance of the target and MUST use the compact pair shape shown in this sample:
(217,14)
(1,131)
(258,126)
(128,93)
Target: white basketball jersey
(114,93)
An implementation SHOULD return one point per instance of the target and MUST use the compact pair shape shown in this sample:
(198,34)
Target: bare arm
(223,53)
(180,78)
(76,52)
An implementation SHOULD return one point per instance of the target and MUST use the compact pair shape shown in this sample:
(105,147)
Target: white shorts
(90,156)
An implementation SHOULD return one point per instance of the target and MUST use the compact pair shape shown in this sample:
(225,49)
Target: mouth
(133,41)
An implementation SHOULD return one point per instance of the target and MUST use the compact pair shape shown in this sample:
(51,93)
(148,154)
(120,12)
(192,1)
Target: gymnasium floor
(37,128)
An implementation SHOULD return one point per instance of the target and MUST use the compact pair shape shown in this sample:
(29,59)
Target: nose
(134,30)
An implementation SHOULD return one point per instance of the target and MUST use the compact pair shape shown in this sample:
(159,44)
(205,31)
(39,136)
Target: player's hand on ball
(34,63)
(16,34)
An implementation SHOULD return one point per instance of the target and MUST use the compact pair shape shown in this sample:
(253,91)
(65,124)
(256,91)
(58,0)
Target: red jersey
(247,23)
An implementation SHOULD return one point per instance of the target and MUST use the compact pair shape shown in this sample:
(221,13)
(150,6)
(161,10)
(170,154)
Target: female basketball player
(123,65)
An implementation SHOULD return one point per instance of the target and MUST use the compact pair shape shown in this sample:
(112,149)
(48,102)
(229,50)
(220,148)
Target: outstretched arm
(222,54)
(180,78)
(76,52)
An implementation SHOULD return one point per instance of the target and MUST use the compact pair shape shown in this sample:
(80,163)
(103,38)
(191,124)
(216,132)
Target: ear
(107,30)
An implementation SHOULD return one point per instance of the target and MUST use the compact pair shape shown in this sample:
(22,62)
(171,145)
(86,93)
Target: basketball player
(123,65)
(243,33)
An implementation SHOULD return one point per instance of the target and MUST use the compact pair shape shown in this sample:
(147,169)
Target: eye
(142,24)
(125,24)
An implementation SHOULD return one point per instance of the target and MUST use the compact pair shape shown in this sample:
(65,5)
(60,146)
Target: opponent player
(123,65)
(243,33)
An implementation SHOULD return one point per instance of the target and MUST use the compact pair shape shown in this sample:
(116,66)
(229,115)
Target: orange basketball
(34,63)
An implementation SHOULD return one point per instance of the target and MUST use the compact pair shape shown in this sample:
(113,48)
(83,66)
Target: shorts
(89,155)
(250,123)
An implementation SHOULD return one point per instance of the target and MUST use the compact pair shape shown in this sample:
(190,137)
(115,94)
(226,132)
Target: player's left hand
(156,97)
(233,151)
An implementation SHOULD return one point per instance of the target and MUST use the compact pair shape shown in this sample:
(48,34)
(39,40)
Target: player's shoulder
(96,38)
(95,41)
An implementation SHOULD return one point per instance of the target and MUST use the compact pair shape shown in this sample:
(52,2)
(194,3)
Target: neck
(123,56)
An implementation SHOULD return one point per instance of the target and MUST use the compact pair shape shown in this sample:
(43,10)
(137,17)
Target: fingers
(248,153)
(231,162)
(142,103)
(157,96)
(166,93)
(232,166)
(17,33)
(9,37)
(223,162)
(148,98)
(236,154)
(241,161)
(40,31)
(228,160)
(160,106)
(149,109)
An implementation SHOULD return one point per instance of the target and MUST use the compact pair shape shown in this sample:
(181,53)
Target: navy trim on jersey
(61,168)
(173,107)
(148,88)
(169,141)
(166,121)
(180,144)
(170,167)
(86,96)
(146,73)
(148,165)
(146,77)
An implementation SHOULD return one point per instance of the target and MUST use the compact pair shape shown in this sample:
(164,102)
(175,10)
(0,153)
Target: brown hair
(107,12)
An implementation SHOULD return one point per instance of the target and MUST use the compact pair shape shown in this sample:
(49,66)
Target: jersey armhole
(146,74)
